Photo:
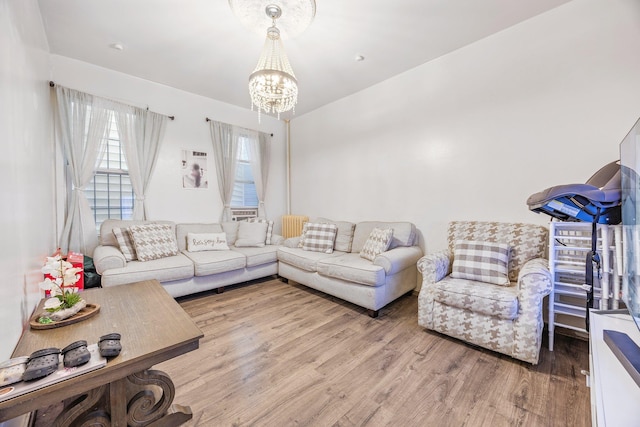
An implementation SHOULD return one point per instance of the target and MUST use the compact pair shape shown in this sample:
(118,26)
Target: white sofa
(187,272)
(344,274)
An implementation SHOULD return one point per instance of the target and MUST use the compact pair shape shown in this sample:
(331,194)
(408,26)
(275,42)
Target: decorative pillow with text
(197,242)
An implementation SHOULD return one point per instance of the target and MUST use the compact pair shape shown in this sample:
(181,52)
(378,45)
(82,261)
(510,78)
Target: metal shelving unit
(569,244)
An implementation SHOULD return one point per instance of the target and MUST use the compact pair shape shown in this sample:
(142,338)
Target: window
(244,187)
(110,193)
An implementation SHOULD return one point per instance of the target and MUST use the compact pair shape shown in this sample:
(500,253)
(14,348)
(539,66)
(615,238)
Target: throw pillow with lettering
(197,242)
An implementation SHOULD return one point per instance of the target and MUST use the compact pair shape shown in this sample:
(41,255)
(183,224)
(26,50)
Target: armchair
(506,319)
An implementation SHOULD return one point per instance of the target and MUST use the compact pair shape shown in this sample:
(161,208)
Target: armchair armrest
(535,278)
(398,259)
(108,257)
(434,267)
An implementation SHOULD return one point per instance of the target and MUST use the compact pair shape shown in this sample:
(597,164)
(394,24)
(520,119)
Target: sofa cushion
(164,270)
(481,261)
(251,234)
(267,240)
(125,242)
(479,297)
(303,260)
(318,237)
(378,242)
(258,256)
(197,242)
(352,268)
(404,234)
(344,236)
(213,262)
(183,229)
(154,241)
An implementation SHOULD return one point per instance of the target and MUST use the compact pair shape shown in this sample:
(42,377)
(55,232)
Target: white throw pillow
(197,242)
(378,242)
(269,228)
(251,234)
(481,261)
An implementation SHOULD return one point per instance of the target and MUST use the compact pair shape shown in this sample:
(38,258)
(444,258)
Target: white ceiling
(200,46)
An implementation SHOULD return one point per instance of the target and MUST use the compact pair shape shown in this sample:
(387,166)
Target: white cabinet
(615,397)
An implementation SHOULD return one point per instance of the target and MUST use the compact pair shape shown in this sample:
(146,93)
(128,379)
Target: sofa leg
(372,313)
(220,290)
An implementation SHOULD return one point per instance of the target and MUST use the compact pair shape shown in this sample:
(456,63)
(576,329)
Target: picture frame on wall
(194,169)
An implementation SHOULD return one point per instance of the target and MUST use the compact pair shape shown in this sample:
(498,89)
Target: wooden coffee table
(126,391)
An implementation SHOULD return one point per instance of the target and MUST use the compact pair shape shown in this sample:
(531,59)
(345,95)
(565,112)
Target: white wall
(167,199)
(26,165)
(471,135)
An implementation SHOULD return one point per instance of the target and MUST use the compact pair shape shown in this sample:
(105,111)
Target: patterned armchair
(506,319)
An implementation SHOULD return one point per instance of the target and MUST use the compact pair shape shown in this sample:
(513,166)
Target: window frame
(243,148)
(119,174)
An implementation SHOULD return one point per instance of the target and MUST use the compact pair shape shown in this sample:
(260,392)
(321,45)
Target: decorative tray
(61,374)
(89,311)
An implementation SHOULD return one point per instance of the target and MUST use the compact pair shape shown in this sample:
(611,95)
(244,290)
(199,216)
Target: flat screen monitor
(624,347)
(630,179)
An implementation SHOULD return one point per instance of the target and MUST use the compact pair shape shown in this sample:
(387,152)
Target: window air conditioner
(243,214)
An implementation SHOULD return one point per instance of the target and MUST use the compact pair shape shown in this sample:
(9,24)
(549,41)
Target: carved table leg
(79,406)
(141,399)
(144,407)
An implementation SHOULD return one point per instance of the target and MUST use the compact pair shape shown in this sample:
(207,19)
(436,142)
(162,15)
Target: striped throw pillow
(125,242)
(481,261)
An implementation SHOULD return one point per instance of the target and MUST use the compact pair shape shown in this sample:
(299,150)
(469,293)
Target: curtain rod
(207,119)
(53,84)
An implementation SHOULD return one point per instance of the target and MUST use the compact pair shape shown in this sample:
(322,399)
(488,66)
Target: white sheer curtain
(259,154)
(141,132)
(81,121)
(225,150)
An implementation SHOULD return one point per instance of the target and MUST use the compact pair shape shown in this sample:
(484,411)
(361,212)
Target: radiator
(292,225)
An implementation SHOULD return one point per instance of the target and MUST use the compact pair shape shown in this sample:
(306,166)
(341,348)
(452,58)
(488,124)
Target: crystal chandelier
(272,85)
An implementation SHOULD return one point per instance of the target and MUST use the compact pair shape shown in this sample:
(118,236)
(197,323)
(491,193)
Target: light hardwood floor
(276,354)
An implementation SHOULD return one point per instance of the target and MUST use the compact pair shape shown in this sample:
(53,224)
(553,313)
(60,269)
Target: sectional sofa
(340,269)
(346,274)
(186,272)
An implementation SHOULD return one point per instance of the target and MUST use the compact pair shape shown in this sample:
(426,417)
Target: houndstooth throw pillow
(377,242)
(125,242)
(154,241)
(481,261)
(318,237)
